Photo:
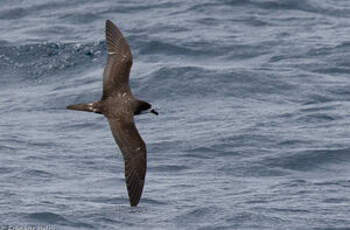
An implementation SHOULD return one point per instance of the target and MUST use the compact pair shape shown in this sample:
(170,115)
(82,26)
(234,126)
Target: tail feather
(91,107)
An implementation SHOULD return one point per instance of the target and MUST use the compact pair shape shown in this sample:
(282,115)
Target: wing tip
(116,43)
(134,203)
(108,23)
(135,191)
(114,37)
(134,199)
(110,33)
(111,28)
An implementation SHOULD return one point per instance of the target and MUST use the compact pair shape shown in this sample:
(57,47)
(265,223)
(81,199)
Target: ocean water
(254,104)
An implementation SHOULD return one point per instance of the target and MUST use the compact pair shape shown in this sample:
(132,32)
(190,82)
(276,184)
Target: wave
(330,8)
(34,61)
(183,81)
(47,217)
(55,219)
(310,160)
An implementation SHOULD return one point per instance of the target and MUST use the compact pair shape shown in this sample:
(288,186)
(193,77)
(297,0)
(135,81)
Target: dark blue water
(254,105)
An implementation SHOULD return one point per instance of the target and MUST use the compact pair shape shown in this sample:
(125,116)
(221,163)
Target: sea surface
(253,131)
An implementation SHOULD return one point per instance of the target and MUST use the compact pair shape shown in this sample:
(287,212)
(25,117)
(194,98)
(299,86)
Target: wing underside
(133,149)
(119,61)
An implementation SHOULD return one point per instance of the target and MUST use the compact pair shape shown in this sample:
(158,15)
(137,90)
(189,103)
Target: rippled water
(254,105)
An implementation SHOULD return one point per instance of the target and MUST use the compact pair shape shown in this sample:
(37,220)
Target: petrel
(119,106)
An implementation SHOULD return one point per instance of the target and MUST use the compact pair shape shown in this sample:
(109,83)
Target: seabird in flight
(119,106)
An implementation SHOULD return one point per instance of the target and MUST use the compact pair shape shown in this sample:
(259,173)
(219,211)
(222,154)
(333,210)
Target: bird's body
(119,106)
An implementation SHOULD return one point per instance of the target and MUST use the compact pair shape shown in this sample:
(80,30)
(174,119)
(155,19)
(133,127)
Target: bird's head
(144,107)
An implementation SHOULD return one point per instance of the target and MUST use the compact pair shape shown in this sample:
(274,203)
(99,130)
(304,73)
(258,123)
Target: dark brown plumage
(119,106)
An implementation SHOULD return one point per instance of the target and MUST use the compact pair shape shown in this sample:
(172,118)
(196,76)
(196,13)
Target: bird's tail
(90,107)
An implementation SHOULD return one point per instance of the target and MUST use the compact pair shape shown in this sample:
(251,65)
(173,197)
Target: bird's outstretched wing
(119,62)
(134,152)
